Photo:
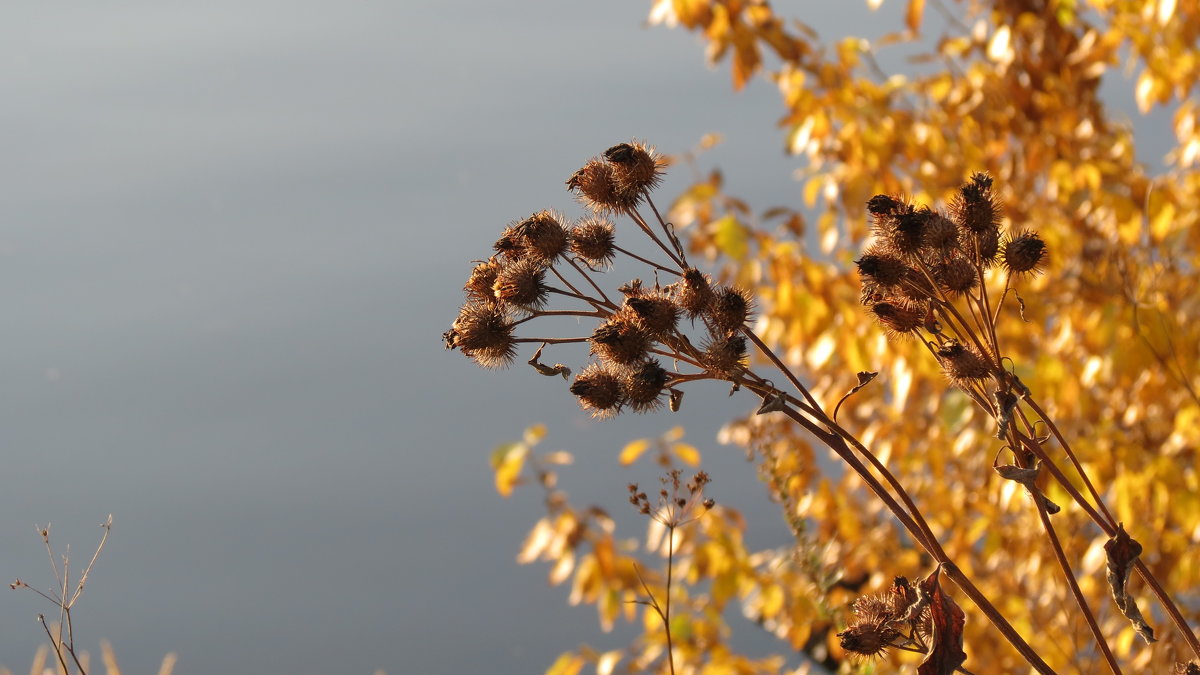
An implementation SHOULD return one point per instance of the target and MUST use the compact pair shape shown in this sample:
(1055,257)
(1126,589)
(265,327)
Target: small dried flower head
(956,275)
(521,284)
(599,391)
(620,340)
(867,640)
(916,286)
(694,292)
(883,204)
(636,166)
(644,385)
(593,240)
(657,313)
(940,233)
(483,332)
(987,245)
(725,357)
(908,235)
(596,187)
(1024,254)
(898,319)
(729,309)
(543,236)
(962,364)
(509,245)
(479,286)
(1189,668)
(974,208)
(880,267)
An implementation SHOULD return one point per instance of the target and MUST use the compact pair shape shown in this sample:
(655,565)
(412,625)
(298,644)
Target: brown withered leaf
(945,648)
(1122,552)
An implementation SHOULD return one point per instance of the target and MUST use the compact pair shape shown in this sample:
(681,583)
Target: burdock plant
(925,276)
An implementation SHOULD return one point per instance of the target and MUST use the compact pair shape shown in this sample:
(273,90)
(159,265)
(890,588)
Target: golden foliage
(1108,335)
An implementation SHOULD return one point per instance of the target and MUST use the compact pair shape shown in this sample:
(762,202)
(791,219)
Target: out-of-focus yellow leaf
(688,454)
(537,541)
(568,663)
(731,237)
(608,662)
(559,457)
(632,451)
(507,461)
(674,433)
(534,434)
(912,17)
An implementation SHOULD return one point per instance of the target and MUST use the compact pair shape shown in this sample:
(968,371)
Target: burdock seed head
(974,208)
(636,167)
(908,235)
(656,312)
(621,340)
(596,187)
(483,332)
(883,205)
(962,364)
(729,309)
(543,236)
(941,234)
(866,639)
(593,239)
(479,286)
(880,267)
(725,357)
(644,385)
(599,391)
(521,284)
(1024,254)
(898,318)
(694,292)
(956,275)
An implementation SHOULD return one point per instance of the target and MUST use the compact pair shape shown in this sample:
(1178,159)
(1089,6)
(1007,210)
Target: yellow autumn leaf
(673,434)
(507,461)
(688,454)
(568,663)
(632,451)
(731,237)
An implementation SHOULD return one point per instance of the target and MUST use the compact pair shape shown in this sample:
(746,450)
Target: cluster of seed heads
(920,262)
(678,503)
(535,259)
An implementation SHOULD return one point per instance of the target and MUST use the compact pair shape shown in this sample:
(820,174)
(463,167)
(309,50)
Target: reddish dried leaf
(1122,553)
(945,649)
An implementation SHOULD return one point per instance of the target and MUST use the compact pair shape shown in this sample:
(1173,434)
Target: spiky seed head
(725,356)
(657,313)
(897,318)
(644,385)
(916,286)
(880,267)
(867,640)
(974,208)
(730,308)
(956,275)
(479,285)
(596,187)
(543,236)
(883,204)
(940,235)
(598,390)
(483,332)
(987,243)
(636,166)
(593,240)
(521,284)
(510,245)
(962,364)
(694,292)
(908,234)
(620,340)
(1024,254)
